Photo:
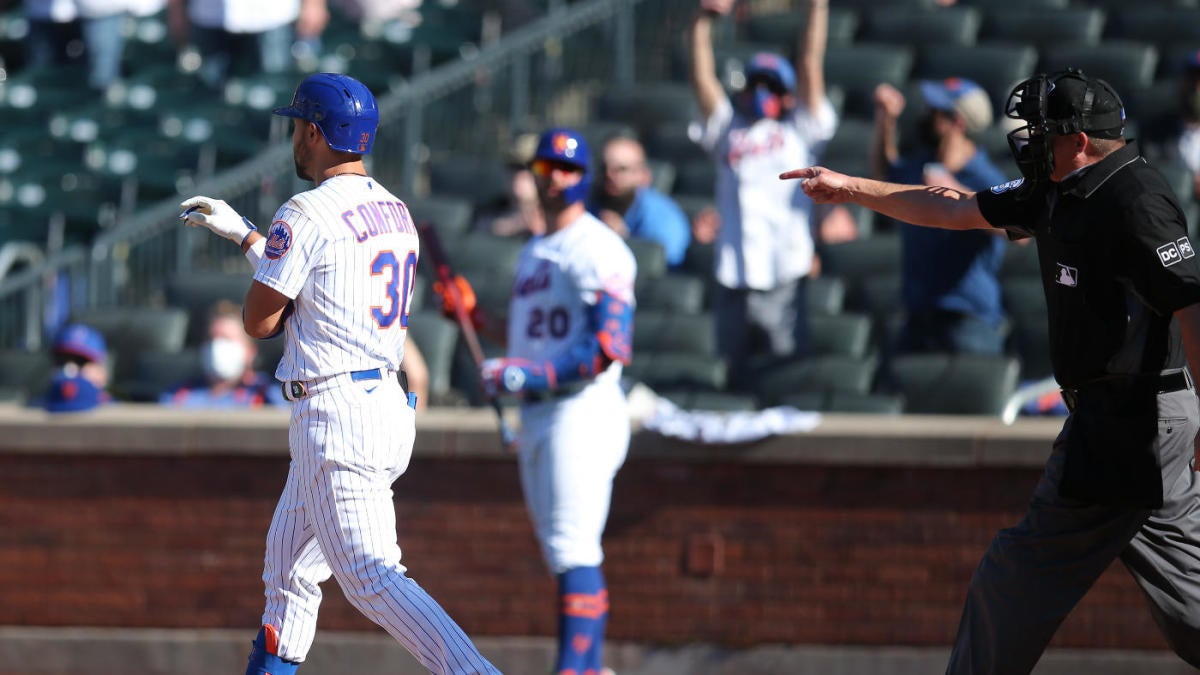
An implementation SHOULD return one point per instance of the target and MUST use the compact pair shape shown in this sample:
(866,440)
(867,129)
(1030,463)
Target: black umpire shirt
(1116,263)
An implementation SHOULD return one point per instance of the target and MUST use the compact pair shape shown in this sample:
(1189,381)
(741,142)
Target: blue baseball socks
(581,621)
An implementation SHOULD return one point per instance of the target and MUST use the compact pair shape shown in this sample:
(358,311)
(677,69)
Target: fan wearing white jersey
(569,332)
(336,272)
(764,248)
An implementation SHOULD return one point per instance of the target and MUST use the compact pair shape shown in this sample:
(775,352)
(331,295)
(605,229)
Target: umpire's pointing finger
(807,172)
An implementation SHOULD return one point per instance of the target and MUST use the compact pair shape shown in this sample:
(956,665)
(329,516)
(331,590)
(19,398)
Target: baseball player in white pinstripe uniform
(569,332)
(336,271)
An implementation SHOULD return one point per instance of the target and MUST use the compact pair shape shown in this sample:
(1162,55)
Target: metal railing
(543,73)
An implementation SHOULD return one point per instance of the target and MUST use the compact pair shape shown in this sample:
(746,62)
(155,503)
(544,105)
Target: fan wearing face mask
(229,379)
(951,280)
(763,250)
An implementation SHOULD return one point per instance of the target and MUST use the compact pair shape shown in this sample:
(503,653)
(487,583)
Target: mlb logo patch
(1067,276)
(1169,254)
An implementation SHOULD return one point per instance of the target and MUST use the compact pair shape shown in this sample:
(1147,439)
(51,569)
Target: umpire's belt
(1176,380)
(294,390)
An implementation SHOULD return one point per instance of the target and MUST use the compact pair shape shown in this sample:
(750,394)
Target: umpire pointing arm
(1122,285)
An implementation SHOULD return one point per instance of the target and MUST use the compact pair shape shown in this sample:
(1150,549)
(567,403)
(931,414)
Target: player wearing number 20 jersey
(569,334)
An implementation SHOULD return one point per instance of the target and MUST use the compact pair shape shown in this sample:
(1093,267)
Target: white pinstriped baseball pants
(336,517)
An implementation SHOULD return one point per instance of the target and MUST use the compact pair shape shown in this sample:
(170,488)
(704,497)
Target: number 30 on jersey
(399,281)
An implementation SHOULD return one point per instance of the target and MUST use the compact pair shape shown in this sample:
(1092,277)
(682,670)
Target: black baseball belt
(1175,380)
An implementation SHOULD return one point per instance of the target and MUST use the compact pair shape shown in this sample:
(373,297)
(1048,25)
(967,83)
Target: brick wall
(717,551)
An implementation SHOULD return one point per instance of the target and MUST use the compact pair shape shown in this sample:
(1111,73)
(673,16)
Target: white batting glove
(217,216)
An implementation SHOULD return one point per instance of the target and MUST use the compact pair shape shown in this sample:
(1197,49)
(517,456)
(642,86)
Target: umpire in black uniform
(1122,284)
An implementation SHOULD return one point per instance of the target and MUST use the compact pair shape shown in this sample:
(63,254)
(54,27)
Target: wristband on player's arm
(254,252)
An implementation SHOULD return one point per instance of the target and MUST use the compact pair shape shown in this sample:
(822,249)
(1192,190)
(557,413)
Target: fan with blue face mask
(769,89)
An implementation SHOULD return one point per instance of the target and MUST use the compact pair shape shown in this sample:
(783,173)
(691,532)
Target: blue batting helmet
(567,146)
(341,107)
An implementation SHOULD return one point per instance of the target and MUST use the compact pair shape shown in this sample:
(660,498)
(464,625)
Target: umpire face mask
(1028,144)
(1063,103)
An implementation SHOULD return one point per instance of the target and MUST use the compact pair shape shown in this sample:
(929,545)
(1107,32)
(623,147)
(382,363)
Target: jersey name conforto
(370,219)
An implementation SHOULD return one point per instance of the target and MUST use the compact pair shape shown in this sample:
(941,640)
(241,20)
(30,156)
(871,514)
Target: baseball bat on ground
(445,274)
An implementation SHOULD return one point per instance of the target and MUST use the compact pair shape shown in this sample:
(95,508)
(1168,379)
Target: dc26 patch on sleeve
(279,239)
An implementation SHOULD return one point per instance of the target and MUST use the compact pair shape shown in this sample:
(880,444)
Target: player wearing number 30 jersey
(336,272)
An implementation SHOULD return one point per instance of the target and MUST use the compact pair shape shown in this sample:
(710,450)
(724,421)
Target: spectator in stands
(764,247)
(247,36)
(523,215)
(951,284)
(705,225)
(1177,137)
(837,224)
(229,379)
(80,357)
(627,202)
(60,31)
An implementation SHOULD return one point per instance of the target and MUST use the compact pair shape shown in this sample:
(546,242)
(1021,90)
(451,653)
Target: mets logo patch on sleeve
(279,240)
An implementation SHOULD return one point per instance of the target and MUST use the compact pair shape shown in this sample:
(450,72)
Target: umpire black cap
(1076,102)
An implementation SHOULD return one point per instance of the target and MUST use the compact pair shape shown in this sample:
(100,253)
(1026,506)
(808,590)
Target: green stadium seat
(437,338)
(668,370)
(825,294)
(197,292)
(847,334)
(450,216)
(1127,65)
(784,27)
(157,372)
(817,374)
(998,6)
(1042,26)
(132,331)
(858,68)
(716,401)
(905,25)
(24,374)
(646,106)
(695,178)
(485,182)
(673,332)
(650,257)
(946,384)
(671,293)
